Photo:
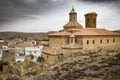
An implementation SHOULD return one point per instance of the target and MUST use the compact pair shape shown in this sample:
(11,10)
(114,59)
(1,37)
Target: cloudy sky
(51,15)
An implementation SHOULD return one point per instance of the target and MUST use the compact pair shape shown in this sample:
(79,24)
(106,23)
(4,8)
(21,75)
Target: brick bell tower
(90,20)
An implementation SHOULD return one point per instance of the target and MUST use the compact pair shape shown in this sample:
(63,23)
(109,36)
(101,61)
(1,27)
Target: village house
(27,48)
(4,45)
(74,38)
(1,54)
(34,51)
(20,47)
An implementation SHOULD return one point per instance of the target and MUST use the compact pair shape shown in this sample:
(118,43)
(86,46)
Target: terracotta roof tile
(52,51)
(84,32)
(73,25)
(72,45)
(64,33)
(94,31)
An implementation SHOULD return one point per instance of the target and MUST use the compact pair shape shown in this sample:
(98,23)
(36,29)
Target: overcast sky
(51,15)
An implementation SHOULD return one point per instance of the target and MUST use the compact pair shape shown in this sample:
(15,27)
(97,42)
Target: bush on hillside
(40,59)
(117,55)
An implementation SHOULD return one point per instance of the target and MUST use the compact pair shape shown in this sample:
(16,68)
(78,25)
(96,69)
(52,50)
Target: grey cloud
(11,9)
(100,0)
(114,3)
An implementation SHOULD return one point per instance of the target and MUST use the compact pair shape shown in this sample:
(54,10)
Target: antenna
(73,3)
(72,7)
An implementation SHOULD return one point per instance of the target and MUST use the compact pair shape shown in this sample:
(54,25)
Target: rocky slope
(88,65)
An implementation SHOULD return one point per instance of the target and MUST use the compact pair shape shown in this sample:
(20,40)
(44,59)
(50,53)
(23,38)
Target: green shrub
(40,59)
(117,55)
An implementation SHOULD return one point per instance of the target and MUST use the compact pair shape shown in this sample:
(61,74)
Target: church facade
(74,38)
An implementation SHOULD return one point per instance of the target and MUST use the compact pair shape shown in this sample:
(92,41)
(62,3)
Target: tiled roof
(94,31)
(64,33)
(51,51)
(85,32)
(72,46)
(25,44)
(72,25)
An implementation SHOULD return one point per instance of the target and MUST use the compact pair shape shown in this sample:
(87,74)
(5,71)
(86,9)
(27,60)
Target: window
(87,41)
(107,40)
(113,40)
(71,40)
(58,57)
(93,41)
(47,56)
(100,41)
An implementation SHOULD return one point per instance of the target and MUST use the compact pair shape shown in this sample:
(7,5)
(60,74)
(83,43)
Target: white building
(5,48)
(35,51)
(2,41)
(19,51)
(19,58)
(1,54)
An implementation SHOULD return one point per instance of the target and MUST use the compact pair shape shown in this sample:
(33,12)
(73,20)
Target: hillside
(12,35)
(87,65)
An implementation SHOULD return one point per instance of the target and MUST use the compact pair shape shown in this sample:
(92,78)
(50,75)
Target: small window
(113,40)
(87,41)
(100,41)
(107,40)
(47,56)
(93,41)
(71,40)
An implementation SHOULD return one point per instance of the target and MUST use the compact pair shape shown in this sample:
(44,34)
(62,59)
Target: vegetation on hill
(24,36)
(88,65)
(118,55)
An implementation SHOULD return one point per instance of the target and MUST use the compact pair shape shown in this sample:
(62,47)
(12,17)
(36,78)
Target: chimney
(90,20)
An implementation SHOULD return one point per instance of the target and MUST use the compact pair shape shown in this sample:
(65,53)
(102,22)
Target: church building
(74,38)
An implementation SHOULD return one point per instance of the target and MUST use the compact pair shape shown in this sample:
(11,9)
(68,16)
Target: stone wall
(50,59)
(100,41)
(87,42)
(57,41)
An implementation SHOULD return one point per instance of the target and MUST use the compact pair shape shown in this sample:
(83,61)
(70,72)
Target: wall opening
(107,40)
(113,40)
(87,41)
(101,41)
(93,42)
